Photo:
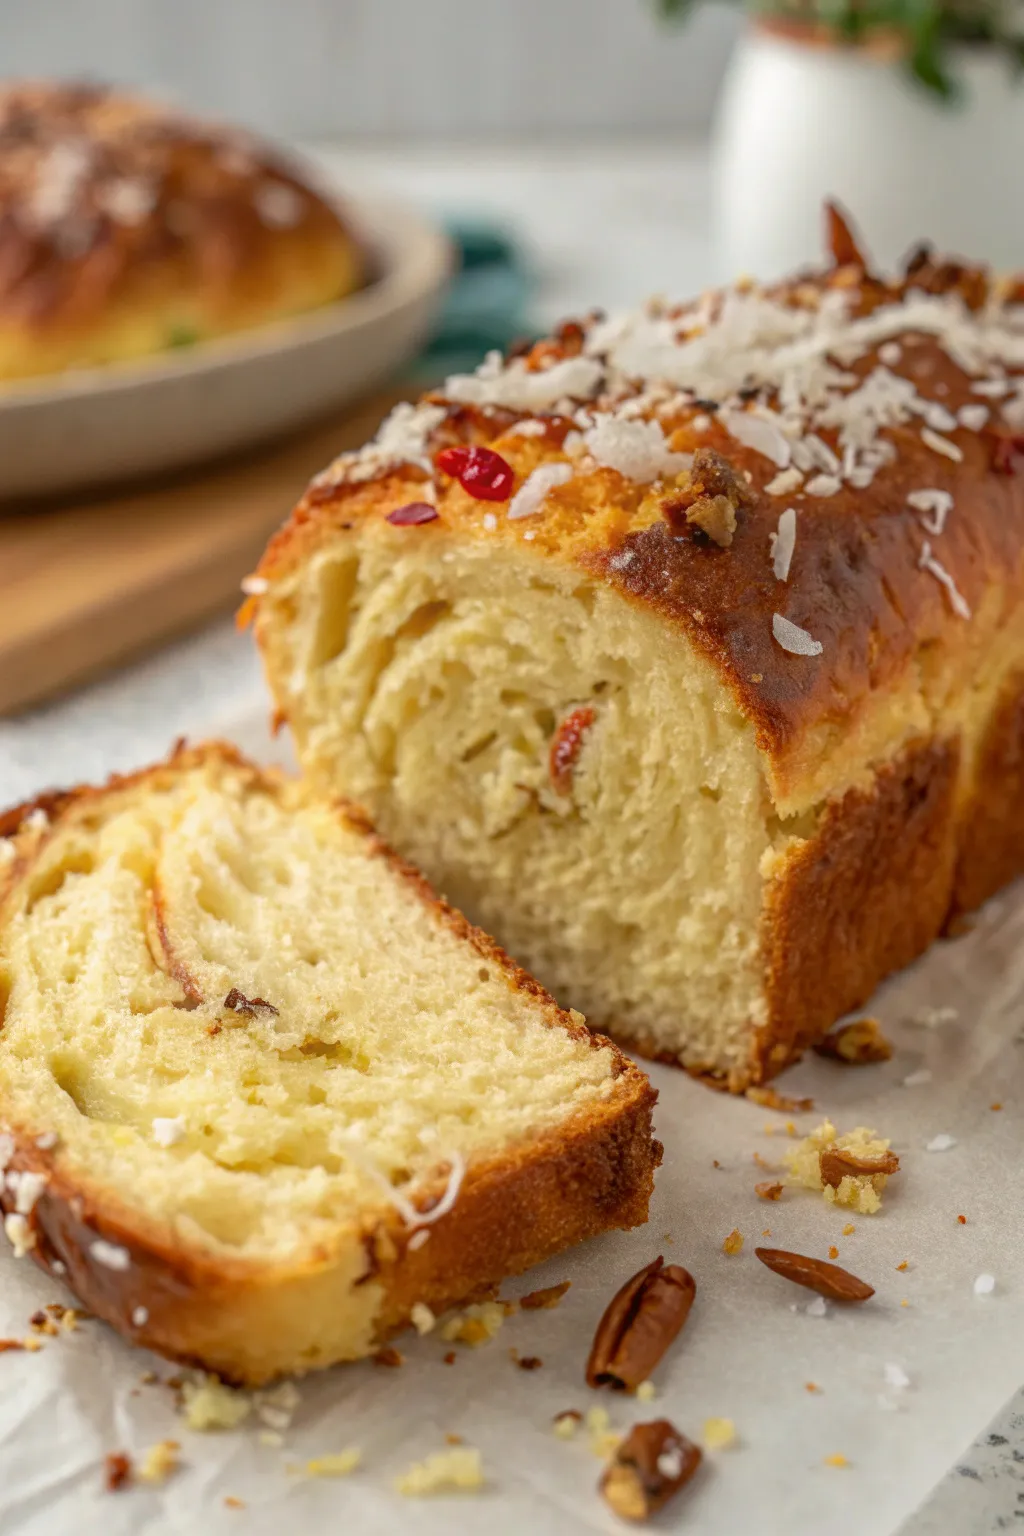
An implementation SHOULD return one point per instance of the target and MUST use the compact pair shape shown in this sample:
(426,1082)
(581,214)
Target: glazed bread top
(127,227)
(238,1025)
(813,482)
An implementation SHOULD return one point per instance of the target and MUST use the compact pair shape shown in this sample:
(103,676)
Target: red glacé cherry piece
(412,515)
(481,472)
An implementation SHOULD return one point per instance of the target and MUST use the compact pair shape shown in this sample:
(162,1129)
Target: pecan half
(648,1468)
(817,1275)
(639,1324)
(836,1164)
(566,745)
(858,1044)
(249,1007)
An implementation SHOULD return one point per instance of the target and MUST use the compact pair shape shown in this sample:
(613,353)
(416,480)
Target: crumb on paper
(423,1320)
(811,1386)
(461,1467)
(206,1403)
(861,1191)
(117,1470)
(962,1220)
(337,1464)
(719,1434)
(549,1295)
(849,1229)
(734,1242)
(389,1357)
(770,1098)
(232,1503)
(984,1285)
(895,1376)
(904,1265)
(995,1106)
(940,1143)
(833,1251)
(857,1044)
(837,1460)
(817,1307)
(564,1425)
(159,1462)
(476,1324)
(646,1392)
(451,1357)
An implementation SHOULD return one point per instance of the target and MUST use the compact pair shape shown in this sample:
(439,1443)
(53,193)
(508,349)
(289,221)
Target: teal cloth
(487,305)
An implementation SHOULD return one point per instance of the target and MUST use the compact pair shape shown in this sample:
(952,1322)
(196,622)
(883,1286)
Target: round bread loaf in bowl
(128,229)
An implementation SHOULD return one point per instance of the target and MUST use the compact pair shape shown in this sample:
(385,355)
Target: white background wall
(440,68)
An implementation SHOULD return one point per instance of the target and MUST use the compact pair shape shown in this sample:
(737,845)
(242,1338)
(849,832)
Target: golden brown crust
(115,210)
(592,1174)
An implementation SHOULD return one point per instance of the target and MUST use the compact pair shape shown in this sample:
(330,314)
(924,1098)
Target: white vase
(799,122)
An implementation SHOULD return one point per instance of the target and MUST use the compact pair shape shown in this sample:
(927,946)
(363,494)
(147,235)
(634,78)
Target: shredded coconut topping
(531,494)
(517,388)
(785,482)
(942,445)
(928,562)
(794,639)
(934,505)
(783,543)
(637,449)
(759,433)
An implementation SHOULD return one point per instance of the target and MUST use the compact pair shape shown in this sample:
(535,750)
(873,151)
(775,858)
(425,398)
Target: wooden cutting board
(86,584)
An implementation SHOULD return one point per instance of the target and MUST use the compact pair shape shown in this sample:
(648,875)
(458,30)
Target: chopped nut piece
(827,1279)
(639,1324)
(766,1190)
(648,1468)
(117,1470)
(461,1467)
(711,500)
(858,1162)
(858,1044)
(715,516)
(529,1362)
(389,1357)
(159,1461)
(719,1434)
(734,1242)
(548,1296)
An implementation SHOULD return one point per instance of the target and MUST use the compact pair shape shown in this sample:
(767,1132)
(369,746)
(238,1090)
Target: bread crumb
(451,1439)
(423,1319)
(117,1470)
(811,1386)
(565,1425)
(849,1229)
(984,1285)
(719,1434)
(833,1252)
(32,1344)
(836,1460)
(903,1266)
(549,1295)
(734,1242)
(461,1467)
(159,1461)
(995,1106)
(604,1441)
(19,1234)
(861,1191)
(904,1302)
(339,1464)
(389,1357)
(646,1392)
(475,1325)
(962,1220)
(233,1503)
(206,1403)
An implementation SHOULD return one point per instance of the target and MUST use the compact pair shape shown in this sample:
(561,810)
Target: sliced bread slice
(262,1091)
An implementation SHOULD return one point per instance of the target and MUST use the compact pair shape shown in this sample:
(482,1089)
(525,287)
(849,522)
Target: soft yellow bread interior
(429,680)
(392,1052)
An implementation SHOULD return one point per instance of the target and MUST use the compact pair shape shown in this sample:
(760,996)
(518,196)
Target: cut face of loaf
(261,1093)
(704,694)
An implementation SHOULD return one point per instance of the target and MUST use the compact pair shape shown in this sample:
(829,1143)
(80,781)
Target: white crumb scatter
(823,485)
(636,449)
(519,388)
(47,1141)
(930,1017)
(490,521)
(531,494)
(110,1255)
(917,1079)
(255,586)
(942,445)
(275,1406)
(785,482)
(895,1376)
(783,543)
(206,1404)
(167,1132)
(140,1317)
(37,820)
(278,205)
(423,1319)
(928,562)
(128,200)
(890,353)
(646,1392)
(460,1467)
(418,1239)
(794,639)
(984,1285)
(817,1308)
(761,433)
(934,506)
(940,1143)
(19,1234)
(973,417)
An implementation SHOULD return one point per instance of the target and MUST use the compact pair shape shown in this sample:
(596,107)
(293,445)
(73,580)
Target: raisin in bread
(685,653)
(261,1092)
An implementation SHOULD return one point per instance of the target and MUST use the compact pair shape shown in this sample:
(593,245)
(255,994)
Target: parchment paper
(747,1352)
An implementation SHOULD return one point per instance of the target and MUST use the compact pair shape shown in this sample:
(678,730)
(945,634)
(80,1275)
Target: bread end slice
(261,1091)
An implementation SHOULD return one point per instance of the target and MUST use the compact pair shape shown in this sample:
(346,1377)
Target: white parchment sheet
(747,1352)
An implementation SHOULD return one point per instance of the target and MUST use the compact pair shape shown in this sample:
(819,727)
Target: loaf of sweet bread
(685,651)
(261,1093)
(127,228)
